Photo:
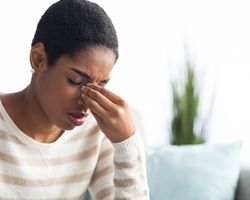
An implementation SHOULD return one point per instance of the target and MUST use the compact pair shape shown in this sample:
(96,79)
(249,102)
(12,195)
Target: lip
(77,118)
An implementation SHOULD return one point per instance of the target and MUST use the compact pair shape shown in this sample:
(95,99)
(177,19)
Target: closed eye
(76,82)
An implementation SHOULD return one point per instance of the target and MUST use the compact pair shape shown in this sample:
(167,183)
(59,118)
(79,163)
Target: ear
(38,58)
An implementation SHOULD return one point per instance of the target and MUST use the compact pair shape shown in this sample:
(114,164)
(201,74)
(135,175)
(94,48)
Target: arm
(120,172)
(128,176)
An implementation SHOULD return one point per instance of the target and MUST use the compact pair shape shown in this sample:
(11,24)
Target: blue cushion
(194,172)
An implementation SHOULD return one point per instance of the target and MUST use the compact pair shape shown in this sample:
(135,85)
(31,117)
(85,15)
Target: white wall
(151,37)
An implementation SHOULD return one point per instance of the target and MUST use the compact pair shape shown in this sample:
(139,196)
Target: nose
(81,105)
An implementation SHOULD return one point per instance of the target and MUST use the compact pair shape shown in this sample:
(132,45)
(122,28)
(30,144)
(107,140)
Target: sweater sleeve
(120,173)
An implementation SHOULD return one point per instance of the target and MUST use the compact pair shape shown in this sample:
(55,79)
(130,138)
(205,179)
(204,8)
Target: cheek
(64,93)
(56,92)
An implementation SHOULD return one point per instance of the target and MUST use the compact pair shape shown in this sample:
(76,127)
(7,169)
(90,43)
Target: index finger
(107,93)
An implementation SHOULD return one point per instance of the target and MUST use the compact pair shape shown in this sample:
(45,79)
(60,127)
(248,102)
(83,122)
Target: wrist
(120,137)
(129,145)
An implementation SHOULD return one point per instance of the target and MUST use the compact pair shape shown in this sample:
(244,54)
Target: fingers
(93,106)
(110,111)
(98,118)
(108,94)
(99,98)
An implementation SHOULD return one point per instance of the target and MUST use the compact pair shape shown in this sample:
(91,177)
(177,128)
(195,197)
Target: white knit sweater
(80,160)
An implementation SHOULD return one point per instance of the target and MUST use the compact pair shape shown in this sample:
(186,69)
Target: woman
(51,146)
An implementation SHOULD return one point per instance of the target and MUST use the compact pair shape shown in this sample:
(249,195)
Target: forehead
(93,61)
(95,55)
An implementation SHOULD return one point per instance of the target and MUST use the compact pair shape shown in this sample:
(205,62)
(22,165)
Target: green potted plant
(186,101)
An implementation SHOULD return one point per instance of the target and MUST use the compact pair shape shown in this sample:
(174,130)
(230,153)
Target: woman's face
(58,88)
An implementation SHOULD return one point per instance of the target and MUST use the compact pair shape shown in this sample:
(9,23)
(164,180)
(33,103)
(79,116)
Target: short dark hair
(68,26)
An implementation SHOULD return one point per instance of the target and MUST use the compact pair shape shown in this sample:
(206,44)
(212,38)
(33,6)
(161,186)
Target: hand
(110,111)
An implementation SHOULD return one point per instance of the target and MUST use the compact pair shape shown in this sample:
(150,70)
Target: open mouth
(77,118)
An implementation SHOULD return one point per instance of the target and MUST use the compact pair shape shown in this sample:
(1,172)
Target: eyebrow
(85,75)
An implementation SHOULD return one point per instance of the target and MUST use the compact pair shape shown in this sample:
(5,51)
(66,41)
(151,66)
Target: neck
(27,114)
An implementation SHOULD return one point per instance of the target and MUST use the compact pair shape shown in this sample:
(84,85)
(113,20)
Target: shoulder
(4,99)
(9,99)
(2,95)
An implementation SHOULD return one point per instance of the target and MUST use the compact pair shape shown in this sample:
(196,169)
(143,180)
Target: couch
(198,172)
(243,187)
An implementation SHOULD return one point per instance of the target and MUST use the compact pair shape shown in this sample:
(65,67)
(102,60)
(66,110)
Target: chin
(68,127)
(65,126)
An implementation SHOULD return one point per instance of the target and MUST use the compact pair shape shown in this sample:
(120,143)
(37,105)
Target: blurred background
(157,38)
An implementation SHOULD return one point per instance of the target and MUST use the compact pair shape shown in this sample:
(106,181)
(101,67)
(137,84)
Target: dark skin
(73,84)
